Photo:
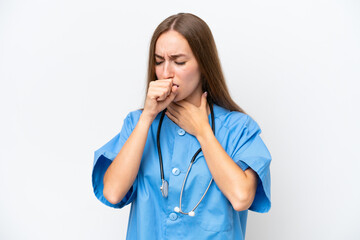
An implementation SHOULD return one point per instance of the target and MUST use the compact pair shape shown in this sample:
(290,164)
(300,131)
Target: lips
(175,85)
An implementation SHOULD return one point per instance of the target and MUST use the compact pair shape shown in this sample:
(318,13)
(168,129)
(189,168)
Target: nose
(168,71)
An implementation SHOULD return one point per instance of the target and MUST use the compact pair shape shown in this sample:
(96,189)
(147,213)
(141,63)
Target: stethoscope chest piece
(164,188)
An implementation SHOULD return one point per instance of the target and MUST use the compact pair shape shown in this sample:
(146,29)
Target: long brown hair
(202,44)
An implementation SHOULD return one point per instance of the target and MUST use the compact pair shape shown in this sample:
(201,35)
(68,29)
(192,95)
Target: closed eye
(180,63)
(158,63)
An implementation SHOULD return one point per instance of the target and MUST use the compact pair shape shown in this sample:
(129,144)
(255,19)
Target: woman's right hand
(160,94)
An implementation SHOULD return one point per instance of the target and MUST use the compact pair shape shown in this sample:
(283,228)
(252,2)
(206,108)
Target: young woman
(191,161)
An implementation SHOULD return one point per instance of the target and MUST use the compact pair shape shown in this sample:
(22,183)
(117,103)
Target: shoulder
(132,118)
(235,120)
(134,113)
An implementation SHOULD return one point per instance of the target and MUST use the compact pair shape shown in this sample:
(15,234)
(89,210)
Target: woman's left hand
(189,117)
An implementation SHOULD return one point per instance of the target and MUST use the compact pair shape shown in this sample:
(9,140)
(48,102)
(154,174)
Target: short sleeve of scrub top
(248,150)
(104,157)
(151,215)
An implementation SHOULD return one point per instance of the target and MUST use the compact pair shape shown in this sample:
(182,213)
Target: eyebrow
(175,56)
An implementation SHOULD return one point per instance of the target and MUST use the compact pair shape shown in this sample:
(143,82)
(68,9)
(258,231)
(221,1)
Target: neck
(196,100)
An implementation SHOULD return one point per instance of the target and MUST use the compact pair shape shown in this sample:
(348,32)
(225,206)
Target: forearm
(122,172)
(237,185)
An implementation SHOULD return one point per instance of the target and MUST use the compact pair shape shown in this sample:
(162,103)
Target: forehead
(172,42)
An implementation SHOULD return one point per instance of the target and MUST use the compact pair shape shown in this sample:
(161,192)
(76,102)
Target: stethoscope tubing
(164,186)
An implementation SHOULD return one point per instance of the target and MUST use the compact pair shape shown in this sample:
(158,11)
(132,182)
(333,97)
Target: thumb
(172,95)
(203,100)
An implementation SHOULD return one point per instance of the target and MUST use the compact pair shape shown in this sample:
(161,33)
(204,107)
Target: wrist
(147,118)
(203,132)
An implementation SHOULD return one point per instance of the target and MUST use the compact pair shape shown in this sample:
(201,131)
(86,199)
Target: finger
(172,96)
(161,90)
(158,95)
(174,91)
(165,79)
(167,83)
(182,104)
(174,108)
(173,113)
(172,117)
(203,100)
(156,92)
(163,82)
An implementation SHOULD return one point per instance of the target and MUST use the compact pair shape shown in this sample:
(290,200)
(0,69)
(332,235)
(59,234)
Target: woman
(191,161)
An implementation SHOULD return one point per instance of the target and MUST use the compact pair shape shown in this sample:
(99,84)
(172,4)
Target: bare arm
(122,172)
(237,185)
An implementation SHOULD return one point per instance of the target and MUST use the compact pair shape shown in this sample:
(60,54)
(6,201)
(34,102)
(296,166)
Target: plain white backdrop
(70,71)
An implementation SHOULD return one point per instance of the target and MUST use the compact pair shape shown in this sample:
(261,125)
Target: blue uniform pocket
(215,213)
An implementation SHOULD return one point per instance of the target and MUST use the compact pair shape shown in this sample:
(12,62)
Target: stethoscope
(165,185)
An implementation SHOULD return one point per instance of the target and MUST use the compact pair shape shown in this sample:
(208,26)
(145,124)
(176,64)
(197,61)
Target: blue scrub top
(152,216)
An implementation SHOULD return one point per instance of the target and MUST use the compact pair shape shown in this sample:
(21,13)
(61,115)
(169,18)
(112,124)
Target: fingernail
(205,93)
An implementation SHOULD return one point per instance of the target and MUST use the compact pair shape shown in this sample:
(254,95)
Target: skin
(178,89)
(176,63)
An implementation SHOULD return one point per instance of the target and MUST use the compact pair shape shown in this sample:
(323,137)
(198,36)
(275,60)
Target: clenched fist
(160,94)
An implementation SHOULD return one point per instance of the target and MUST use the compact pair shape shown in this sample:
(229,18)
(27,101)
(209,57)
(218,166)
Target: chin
(180,97)
(177,99)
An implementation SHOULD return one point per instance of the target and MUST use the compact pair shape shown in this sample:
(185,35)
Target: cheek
(157,73)
(190,74)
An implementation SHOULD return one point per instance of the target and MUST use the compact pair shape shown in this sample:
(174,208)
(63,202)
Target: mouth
(175,85)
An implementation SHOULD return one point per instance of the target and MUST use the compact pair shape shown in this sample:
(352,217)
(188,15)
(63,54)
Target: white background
(70,71)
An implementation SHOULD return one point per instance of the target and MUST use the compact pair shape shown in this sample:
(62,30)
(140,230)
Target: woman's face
(174,59)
